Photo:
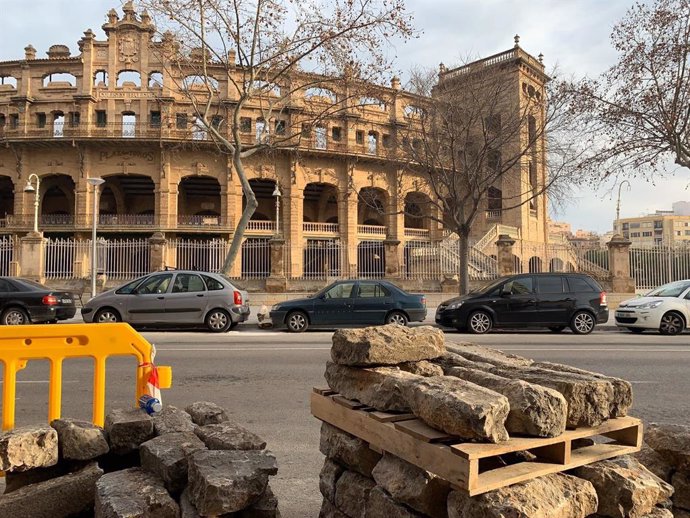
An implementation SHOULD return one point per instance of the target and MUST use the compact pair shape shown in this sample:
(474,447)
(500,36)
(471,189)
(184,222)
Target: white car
(667,308)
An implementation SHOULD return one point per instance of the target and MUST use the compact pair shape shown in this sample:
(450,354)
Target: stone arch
(320,202)
(517,264)
(371,206)
(6,196)
(58,79)
(155,79)
(128,78)
(56,196)
(127,194)
(100,78)
(535,264)
(263,190)
(556,265)
(198,195)
(417,209)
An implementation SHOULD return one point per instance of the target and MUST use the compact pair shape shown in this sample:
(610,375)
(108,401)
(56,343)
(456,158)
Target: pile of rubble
(477,394)
(174,464)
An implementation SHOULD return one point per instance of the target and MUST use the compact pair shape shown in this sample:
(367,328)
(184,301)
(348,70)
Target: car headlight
(651,305)
(454,305)
(276,307)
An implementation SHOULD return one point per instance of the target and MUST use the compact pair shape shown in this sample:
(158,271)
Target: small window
(14,120)
(155,119)
(321,138)
(550,284)
(261,131)
(359,137)
(188,283)
(579,284)
(521,286)
(2,120)
(306,130)
(280,127)
(336,133)
(372,290)
(74,119)
(212,284)
(340,291)
(181,121)
(216,121)
(155,284)
(41,120)
(101,118)
(386,141)
(245,125)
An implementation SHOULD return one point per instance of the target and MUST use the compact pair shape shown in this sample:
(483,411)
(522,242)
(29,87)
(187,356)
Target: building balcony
(493,214)
(321,229)
(372,231)
(418,233)
(126,220)
(261,228)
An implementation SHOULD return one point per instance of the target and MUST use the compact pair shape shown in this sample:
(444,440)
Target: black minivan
(551,300)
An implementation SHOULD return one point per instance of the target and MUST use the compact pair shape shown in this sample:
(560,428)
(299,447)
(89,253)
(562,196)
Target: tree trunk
(464,273)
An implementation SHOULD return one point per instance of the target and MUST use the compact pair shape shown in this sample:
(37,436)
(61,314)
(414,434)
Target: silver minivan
(172,297)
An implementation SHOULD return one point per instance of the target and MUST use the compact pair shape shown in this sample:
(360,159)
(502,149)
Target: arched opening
(199,82)
(320,94)
(517,264)
(263,190)
(199,131)
(155,80)
(320,204)
(8,83)
(535,264)
(128,78)
(556,265)
(100,79)
(58,124)
(127,199)
(417,208)
(198,201)
(59,80)
(129,125)
(6,197)
(57,200)
(371,207)
(372,143)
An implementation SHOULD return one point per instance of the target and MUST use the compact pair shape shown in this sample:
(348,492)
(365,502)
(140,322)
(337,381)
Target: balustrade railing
(193,220)
(261,226)
(320,228)
(126,220)
(372,230)
(417,232)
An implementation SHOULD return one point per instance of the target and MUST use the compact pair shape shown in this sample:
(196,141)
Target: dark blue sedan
(351,303)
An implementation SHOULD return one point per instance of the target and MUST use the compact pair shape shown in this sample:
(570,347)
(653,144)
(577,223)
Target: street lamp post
(618,203)
(96,182)
(277,194)
(36,190)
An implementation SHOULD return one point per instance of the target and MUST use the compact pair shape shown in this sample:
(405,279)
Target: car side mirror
(506,291)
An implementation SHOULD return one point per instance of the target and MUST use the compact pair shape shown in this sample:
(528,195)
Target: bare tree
(295,63)
(481,143)
(636,115)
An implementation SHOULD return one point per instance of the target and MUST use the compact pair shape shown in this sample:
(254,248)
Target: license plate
(66,301)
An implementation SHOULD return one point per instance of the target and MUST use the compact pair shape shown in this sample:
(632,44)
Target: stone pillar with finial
(516,38)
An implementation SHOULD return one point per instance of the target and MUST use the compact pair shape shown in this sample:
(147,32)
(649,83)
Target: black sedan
(23,301)
(351,303)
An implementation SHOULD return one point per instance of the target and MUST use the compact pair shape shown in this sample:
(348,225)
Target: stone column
(83,206)
(292,220)
(504,256)
(619,265)
(33,256)
(277,281)
(391,248)
(158,246)
(347,218)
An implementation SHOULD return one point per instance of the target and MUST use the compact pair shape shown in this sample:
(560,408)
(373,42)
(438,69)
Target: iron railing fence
(656,265)
(9,252)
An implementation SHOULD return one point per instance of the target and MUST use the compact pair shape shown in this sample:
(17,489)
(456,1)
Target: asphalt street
(264,379)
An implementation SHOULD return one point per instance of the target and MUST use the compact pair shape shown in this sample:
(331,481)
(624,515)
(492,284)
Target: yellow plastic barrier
(55,343)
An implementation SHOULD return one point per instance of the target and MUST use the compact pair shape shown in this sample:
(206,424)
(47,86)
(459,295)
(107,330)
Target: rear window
(550,284)
(213,284)
(582,284)
(372,290)
(30,283)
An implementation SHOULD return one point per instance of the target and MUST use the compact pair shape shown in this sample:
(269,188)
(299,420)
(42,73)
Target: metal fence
(209,255)
(8,249)
(653,266)
(321,259)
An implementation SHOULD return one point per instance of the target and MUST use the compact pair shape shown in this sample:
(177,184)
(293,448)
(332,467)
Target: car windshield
(487,286)
(672,289)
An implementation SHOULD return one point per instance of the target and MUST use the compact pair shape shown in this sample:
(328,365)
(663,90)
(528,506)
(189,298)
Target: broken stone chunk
(127,429)
(166,457)
(204,412)
(229,436)
(28,447)
(79,440)
(133,493)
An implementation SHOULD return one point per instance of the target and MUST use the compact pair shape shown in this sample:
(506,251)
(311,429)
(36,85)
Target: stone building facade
(114,111)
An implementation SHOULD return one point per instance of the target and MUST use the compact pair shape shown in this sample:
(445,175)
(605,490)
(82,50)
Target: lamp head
(28,187)
(95,181)
(276,192)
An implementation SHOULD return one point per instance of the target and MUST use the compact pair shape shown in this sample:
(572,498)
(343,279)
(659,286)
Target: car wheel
(15,317)
(297,322)
(556,329)
(106,316)
(397,317)
(218,321)
(672,323)
(582,323)
(479,322)
(636,330)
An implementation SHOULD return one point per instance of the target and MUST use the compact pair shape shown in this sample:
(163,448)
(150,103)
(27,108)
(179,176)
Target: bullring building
(170,198)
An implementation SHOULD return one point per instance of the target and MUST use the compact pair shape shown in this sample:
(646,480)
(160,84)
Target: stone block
(659,512)
(166,457)
(672,442)
(79,440)
(655,463)
(625,488)
(187,509)
(352,493)
(478,353)
(17,479)
(422,368)
(28,447)
(228,481)
(229,436)
(459,407)
(378,387)
(265,507)
(328,478)
(534,410)
(412,486)
(347,450)
(386,345)
(381,504)
(204,412)
(127,429)
(65,496)
(329,510)
(133,493)
(681,484)
(550,496)
(172,420)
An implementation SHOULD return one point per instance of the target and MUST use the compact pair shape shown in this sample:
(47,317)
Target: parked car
(551,300)
(176,297)
(667,308)
(351,303)
(23,301)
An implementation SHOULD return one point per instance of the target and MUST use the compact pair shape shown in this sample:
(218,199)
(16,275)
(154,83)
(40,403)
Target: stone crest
(128,47)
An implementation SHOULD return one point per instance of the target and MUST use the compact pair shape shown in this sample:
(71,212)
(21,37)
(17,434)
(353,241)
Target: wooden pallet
(473,467)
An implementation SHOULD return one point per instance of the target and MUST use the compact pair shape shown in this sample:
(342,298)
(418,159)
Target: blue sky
(573,34)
